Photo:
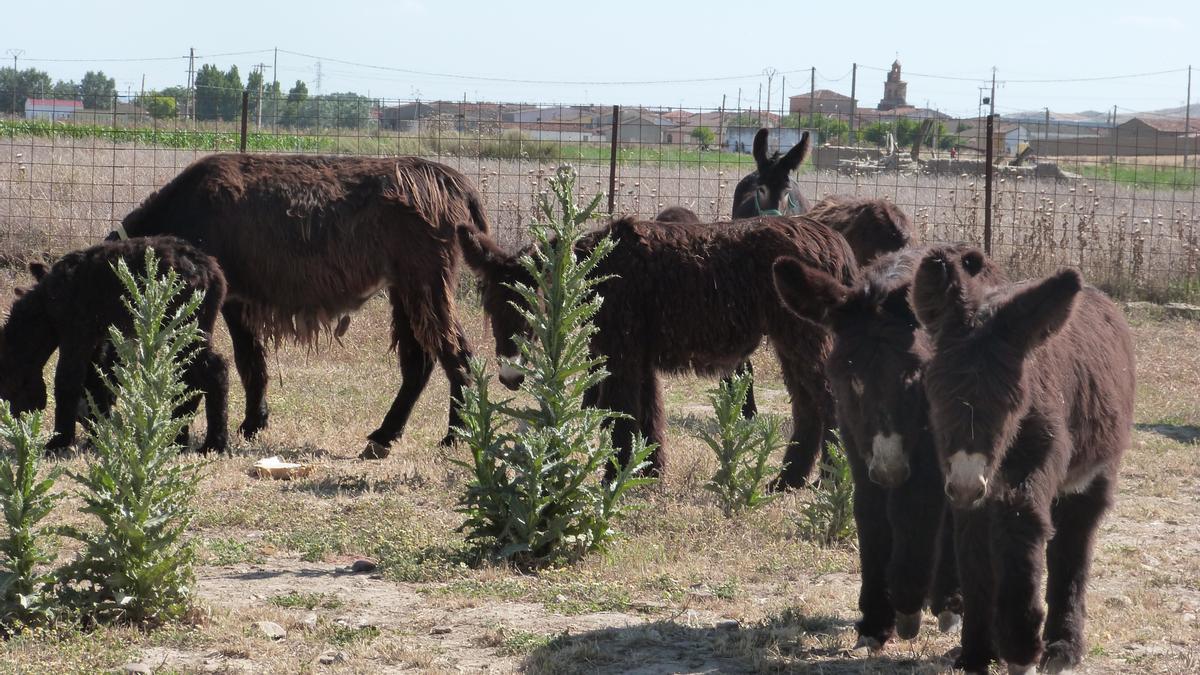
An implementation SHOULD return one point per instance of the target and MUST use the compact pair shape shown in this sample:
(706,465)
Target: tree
(99,91)
(16,86)
(161,107)
(704,136)
(344,111)
(295,112)
(66,90)
(231,95)
(209,83)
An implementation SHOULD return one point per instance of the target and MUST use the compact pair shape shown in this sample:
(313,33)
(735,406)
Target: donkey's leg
(209,374)
(1068,558)
(878,620)
(1020,526)
(653,421)
(973,548)
(945,600)
(74,360)
(453,355)
(915,512)
(622,393)
(416,365)
(250,357)
(811,412)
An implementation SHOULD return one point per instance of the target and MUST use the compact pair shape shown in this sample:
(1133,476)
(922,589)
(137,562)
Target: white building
(50,108)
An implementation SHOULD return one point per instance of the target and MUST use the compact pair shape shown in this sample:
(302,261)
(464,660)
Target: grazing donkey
(1031,391)
(875,370)
(71,307)
(687,297)
(677,214)
(305,240)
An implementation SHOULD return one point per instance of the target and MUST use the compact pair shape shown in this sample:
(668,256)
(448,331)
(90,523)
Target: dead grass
(663,599)
(58,194)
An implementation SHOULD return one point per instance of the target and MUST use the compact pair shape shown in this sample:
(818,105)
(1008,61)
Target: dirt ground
(684,590)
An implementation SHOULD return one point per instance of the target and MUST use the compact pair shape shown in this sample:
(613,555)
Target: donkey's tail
(475,206)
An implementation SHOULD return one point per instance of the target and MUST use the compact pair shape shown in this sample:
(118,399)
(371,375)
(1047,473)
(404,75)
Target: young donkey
(71,307)
(1031,391)
(686,297)
(875,370)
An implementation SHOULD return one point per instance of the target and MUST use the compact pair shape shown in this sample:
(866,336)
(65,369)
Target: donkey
(306,240)
(687,297)
(71,307)
(769,190)
(677,214)
(875,370)
(1031,391)
(873,227)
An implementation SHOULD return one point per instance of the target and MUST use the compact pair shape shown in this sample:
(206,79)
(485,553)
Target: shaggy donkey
(875,366)
(70,308)
(305,240)
(688,297)
(873,227)
(1031,391)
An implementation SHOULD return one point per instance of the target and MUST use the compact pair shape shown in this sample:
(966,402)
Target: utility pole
(261,83)
(1187,120)
(770,73)
(190,111)
(15,53)
(782,99)
(721,123)
(812,98)
(275,88)
(317,68)
(853,100)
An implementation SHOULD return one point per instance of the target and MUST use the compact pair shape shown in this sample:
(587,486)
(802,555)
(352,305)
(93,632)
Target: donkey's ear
(796,156)
(38,270)
(1038,311)
(760,150)
(938,296)
(806,291)
(973,261)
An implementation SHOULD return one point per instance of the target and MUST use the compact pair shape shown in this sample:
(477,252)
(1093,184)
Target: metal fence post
(245,118)
(612,158)
(987,188)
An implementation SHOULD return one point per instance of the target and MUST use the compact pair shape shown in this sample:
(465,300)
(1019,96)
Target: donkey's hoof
(866,646)
(448,440)
(1027,669)
(375,451)
(1059,658)
(949,622)
(908,625)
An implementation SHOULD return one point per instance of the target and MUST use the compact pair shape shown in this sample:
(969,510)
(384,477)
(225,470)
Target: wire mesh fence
(1114,194)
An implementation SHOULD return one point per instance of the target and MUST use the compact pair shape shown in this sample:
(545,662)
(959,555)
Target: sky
(1065,56)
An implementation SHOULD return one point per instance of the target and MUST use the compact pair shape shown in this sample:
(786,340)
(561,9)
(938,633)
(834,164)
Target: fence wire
(1114,196)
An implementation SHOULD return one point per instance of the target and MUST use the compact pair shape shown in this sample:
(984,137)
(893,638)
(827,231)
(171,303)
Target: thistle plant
(26,583)
(137,566)
(534,495)
(742,446)
(829,517)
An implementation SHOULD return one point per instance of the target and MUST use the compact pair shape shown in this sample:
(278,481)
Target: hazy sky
(619,51)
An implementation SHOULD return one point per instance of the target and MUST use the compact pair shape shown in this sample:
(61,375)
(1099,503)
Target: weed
(829,517)
(309,601)
(743,448)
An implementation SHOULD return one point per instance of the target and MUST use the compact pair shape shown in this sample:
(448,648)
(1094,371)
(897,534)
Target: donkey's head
(498,271)
(25,347)
(770,190)
(977,382)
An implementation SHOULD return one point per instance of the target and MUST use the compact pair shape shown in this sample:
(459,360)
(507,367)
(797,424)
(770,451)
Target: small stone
(727,624)
(1118,602)
(331,657)
(137,667)
(364,565)
(271,629)
(309,622)
(440,630)
(560,598)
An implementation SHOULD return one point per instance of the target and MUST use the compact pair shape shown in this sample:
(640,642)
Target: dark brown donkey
(875,369)
(1031,391)
(71,308)
(306,240)
(872,227)
(688,297)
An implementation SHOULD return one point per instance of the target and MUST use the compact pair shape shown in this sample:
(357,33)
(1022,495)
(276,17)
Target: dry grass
(653,603)
(60,194)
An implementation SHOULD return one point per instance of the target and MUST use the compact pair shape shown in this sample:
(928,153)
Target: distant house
(636,126)
(50,108)
(821,102)
(1137,136)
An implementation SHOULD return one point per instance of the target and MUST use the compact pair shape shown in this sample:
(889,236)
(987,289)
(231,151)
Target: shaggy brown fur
(305,240)
(875,369)
(690,298)
(677,214)
(873,227)
(71,308)
(770,190)
(1031,391)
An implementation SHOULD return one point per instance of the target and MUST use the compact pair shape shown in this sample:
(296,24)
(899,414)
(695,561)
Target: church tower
(894,90)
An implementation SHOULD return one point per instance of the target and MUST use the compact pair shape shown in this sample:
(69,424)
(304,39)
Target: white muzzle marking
(966,482)
(509,373)
(887,454)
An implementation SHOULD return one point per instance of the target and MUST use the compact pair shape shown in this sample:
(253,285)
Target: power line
(141,59)
(1099,78)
